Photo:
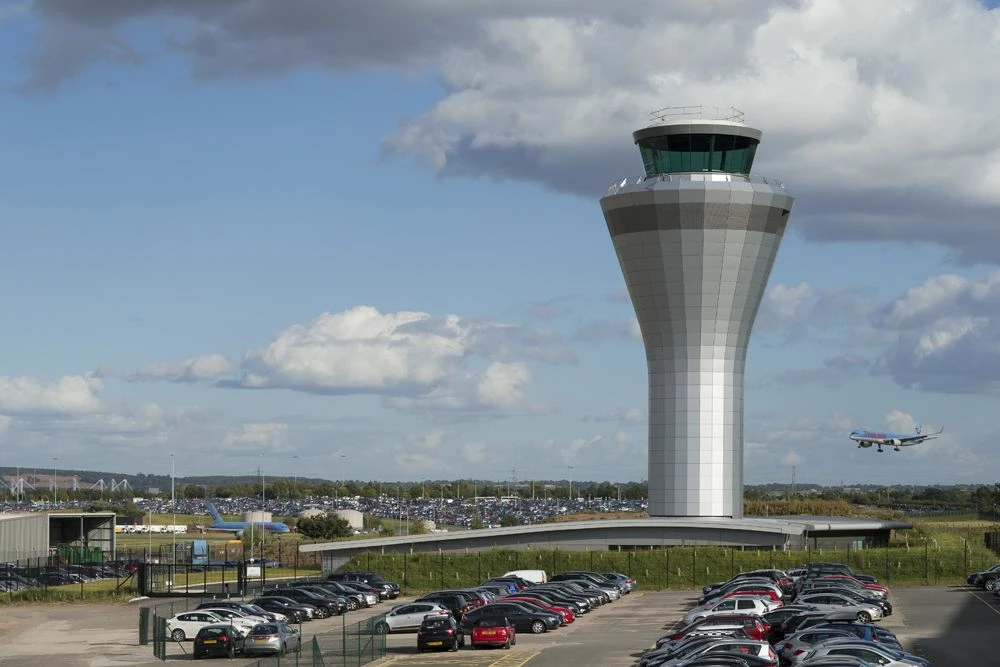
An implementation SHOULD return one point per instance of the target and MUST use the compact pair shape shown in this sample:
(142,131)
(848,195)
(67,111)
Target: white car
(738,604)
(726,646)
(407,617)
(240,619)
(187,624)
(871,652)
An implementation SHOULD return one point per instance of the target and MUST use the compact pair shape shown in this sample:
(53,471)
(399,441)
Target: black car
(986,579)
(326,605)
(440,633)
(457,604)
(296,612)
(355,600)
(218,639)
(522,618)
(388,590)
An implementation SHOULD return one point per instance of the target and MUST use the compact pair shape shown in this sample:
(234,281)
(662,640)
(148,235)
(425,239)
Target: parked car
(406,617)
(863,611)
(495,631)
(439,632)
(187,624)
(873,653)
(737,604)
(272,639)
(521,617)
(388,590)
(296,612)
(223,640)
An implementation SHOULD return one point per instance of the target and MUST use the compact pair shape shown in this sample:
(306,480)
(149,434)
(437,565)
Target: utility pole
(55,485)
(173,507)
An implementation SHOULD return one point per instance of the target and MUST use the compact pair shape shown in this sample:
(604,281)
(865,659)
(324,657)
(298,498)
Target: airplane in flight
(866,438)
(218,523)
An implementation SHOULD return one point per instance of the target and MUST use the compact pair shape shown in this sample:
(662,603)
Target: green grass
(677,568)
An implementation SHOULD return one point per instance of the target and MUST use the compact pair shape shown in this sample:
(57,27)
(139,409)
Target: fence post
(927,564)
(441,559)
(694,567)
(666,552)
(143,626)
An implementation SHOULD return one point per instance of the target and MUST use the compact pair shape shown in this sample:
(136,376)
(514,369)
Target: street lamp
(570,499)
(173,507)
(55,487)
(295,468)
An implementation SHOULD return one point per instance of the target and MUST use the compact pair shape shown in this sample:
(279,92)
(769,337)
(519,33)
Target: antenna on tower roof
(667,114)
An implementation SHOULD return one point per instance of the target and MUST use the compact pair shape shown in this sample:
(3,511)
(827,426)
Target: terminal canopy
(671,153)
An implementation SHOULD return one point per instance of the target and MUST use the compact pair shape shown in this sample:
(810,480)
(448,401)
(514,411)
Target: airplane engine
(239,534)
(866,445)
(894,442)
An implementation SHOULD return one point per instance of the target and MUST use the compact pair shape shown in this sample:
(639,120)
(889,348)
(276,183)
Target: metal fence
(349,645)
(679,567)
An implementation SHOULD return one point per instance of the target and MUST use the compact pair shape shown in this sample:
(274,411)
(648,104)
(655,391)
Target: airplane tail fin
(920,427)
(216,517)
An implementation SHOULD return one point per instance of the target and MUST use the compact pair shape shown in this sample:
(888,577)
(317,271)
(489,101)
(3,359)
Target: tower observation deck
(696,238)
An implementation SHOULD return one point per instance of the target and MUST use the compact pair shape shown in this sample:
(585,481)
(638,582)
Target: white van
(534,576)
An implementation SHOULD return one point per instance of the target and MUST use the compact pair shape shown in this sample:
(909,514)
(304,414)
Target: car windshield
(494,622)
(435,624)
(214,632)
(265,630)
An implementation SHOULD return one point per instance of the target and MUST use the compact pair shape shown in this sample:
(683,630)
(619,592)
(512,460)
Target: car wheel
(990,584)
(178,635)
(864,617)
(506,645)
(232,651)
(537,627)
(382,628)
(323,612)
(352,605)
(454,644)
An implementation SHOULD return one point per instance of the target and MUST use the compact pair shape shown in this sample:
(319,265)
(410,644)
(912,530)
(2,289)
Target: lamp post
(173,508)
(570,499)
(55,486)
(295,468)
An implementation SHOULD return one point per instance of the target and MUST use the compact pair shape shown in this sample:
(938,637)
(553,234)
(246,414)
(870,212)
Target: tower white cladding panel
(696,250)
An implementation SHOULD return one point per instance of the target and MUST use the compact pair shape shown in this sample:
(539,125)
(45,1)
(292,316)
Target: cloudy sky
(363,240)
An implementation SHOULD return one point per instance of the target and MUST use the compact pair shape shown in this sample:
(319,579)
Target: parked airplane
(866,438)
(218,523)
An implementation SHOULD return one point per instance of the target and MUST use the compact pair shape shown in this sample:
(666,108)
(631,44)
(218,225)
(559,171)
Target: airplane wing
(917,439)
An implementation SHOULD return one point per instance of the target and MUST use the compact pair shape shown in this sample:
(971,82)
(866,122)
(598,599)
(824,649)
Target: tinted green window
(697,152)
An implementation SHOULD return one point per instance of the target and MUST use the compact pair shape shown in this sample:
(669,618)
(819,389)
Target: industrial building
(37,535)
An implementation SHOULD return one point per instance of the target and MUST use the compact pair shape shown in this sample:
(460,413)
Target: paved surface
(952,626)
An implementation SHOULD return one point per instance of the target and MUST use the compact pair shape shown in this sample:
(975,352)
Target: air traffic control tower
(696,238)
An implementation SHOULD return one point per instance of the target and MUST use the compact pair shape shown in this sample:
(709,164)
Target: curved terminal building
(696,238)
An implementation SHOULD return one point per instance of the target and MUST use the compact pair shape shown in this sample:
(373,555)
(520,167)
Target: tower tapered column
(696,239)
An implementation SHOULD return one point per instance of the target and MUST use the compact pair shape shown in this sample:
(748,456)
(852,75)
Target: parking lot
(953,626)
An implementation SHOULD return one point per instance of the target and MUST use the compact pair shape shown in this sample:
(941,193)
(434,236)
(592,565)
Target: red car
(567,614)
(493,631)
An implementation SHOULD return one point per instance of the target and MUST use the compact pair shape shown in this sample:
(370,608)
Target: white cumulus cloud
(72,394)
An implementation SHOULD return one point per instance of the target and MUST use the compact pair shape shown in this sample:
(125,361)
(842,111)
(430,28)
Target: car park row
(263,625)
(821,615)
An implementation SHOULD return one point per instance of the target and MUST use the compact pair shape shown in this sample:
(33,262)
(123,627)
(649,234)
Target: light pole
(570,483)
(295,468)
(55,486)
(173,508)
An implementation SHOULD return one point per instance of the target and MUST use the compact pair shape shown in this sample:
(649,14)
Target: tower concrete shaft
(696,238)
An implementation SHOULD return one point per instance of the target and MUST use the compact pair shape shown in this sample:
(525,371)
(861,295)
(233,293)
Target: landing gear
(880,450)
(897,449)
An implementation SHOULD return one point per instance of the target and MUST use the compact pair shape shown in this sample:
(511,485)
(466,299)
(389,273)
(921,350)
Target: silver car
(863,611)
(272,639)
(793,649)
(874,653)
(737,604)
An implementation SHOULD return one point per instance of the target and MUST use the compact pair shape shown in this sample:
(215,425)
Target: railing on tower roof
(667,114)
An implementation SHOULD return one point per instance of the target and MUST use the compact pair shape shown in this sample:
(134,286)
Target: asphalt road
(952,626)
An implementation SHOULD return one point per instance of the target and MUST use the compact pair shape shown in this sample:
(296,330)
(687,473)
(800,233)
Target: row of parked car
(263,626)
(495,612)
(820,615)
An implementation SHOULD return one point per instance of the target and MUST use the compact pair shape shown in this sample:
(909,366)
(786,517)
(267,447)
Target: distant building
(354,518)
